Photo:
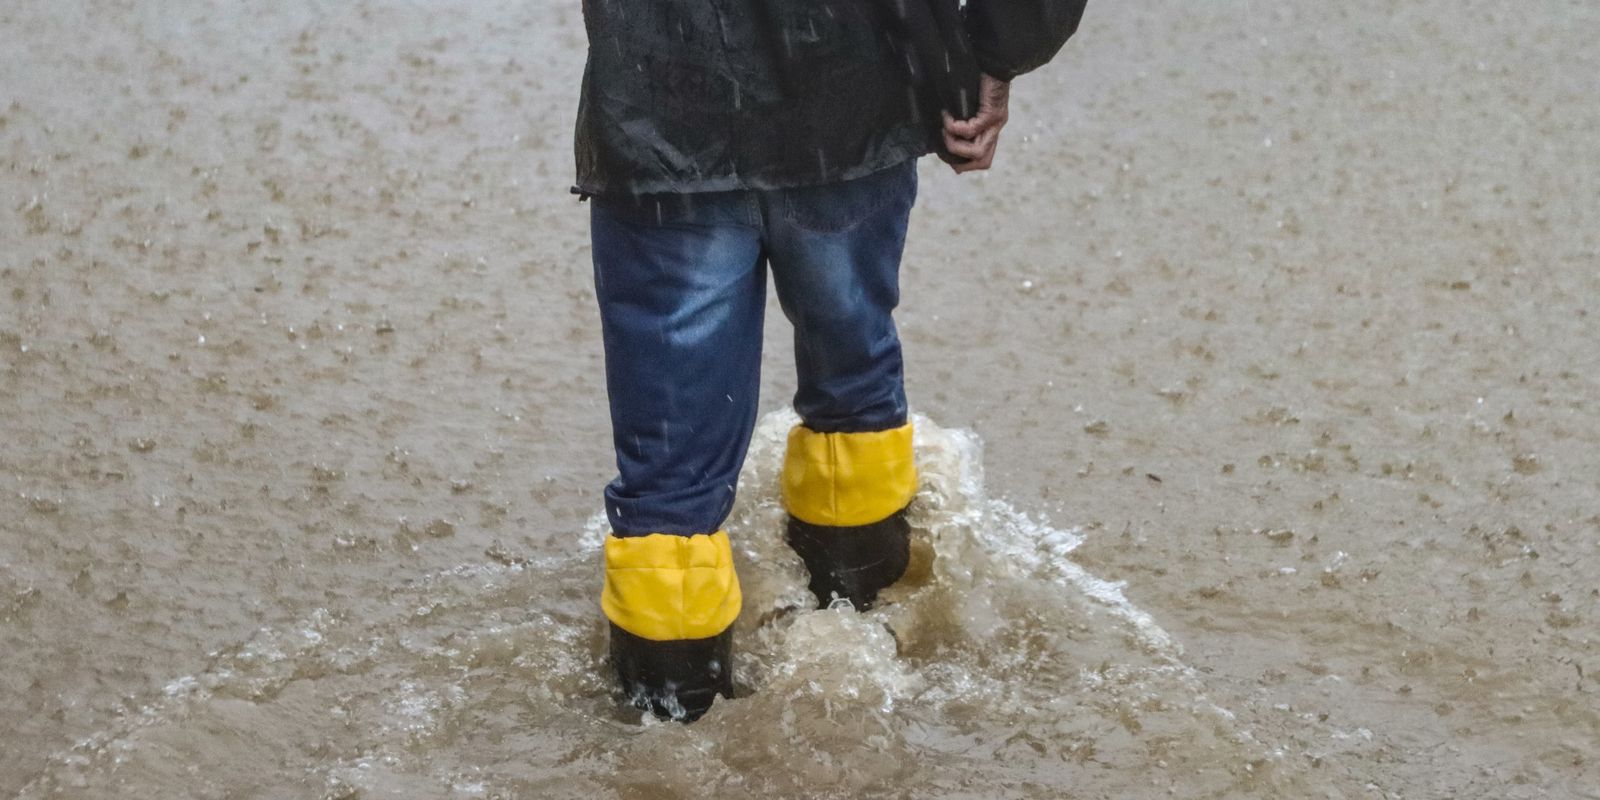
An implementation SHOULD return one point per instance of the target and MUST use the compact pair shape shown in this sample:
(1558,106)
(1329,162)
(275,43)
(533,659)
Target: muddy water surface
(1273,329)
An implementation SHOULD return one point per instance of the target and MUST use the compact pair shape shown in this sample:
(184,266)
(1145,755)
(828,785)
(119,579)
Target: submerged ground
(1280,316)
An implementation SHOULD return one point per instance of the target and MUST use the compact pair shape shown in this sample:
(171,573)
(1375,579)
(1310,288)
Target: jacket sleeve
(1011,37)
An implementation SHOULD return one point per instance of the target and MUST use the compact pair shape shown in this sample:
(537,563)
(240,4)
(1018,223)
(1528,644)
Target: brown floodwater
(1258,393)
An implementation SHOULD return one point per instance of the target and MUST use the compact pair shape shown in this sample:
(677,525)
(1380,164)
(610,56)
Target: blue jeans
(681,281)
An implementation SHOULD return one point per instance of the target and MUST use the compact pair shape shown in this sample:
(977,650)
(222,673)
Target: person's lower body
(681,283)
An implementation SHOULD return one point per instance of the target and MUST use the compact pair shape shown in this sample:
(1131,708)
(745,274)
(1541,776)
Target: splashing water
(998,667)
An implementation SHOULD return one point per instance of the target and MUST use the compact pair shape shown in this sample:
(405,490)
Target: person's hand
(975,139)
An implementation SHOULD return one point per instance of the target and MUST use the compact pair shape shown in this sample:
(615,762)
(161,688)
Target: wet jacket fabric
(1012,37)
(715,95)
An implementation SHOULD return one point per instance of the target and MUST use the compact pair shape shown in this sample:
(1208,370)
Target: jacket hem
(734,183)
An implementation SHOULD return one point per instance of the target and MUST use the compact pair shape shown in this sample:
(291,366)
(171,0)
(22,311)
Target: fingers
(978,154)
(976,165)
(964,148)
(960,128)
(977,139)
(986,120)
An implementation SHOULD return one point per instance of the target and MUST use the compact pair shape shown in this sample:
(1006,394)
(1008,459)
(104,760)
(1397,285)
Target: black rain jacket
(713,95)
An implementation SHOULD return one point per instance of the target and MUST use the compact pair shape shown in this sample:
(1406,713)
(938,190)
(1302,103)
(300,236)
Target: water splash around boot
(996,666)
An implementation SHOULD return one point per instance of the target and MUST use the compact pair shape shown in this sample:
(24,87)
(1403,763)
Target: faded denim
(681,282)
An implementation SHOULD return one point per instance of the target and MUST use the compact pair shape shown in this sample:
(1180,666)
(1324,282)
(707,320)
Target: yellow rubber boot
(846,494)
(671,601)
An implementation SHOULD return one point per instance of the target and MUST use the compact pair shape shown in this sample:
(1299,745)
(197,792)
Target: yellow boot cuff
(848,479)
(665,588)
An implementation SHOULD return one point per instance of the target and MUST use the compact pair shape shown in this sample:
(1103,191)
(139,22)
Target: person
(718,139)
